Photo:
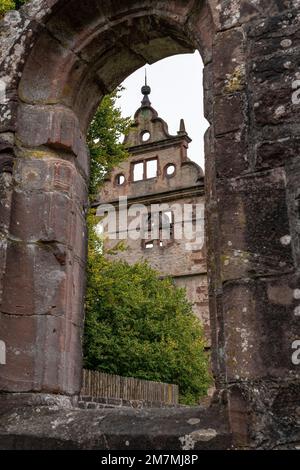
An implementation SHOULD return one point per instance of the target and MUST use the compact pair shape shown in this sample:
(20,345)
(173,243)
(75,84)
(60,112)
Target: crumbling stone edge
(48,422)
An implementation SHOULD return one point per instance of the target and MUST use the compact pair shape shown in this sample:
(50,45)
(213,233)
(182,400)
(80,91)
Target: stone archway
(58,59)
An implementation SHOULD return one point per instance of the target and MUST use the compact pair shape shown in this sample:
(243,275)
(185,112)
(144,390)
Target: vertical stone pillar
(254,190)
(212,232)
(6,168)
(41,313)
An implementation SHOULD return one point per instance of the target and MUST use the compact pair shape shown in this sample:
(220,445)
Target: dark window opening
(159,228)
(120,180)
(149,245)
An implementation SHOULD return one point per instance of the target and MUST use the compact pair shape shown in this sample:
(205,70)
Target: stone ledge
(11,401)
(53,427)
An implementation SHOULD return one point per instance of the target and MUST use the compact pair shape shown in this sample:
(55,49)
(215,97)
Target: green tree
(136,324)
(6,5)
(103,139)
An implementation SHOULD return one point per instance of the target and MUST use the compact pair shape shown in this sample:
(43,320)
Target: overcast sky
(176,84)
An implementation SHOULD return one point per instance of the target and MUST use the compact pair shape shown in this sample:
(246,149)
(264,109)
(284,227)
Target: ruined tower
(160,176)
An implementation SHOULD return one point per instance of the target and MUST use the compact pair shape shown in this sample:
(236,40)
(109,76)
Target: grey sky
(176,84)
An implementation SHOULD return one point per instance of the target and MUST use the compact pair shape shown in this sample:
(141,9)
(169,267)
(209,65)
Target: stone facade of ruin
(159,175)
(58,59)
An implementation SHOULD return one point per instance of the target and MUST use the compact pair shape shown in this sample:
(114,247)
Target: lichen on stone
(235,81)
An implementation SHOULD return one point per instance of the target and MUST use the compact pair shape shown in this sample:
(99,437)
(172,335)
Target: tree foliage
(6,5)
(136,324)
(103,139)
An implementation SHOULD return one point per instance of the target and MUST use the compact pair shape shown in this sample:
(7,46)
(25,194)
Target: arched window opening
(145,136)
(163,222)
(120,179)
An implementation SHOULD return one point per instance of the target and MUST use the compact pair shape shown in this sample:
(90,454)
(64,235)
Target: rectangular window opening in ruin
(158,227)
(147,169)
(138,171)
(151,168)
(166,232)
(149,245)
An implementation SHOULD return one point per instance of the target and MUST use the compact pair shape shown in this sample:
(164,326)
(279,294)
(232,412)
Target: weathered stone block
(270,154)
(55,127)
(181,9)
(229,113)
(5,201)
(76,273)
(267,306)
(245,206)
(35,279)
(232,14)
(8,116)
(92,406)
(200,26)
(41,217)
(6,162)
(6,142)
(48,218)
(108,71)
(75,25)
(231,154)
(41,171)
(28,368)
(43,279)
(44,84)
(229,62)
(269,33)
(3,248)
(293,200)
(274,106)
(273,72)
(208,96)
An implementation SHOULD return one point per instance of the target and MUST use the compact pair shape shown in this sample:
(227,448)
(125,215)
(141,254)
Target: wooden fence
(100,385)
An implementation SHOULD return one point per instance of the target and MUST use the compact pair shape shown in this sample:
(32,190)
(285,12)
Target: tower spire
(182,127)
(146,90)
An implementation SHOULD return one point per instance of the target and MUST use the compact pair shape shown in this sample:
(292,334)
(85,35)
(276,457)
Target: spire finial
(146,90)
(182,127)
